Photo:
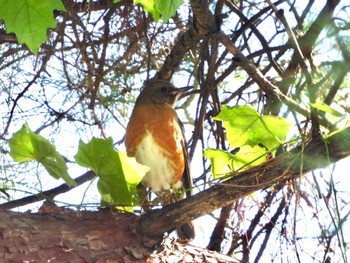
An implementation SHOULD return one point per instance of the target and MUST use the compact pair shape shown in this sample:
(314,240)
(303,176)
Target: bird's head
(160,92)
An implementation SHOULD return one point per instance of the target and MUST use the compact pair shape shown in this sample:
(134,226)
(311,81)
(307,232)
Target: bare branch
(49,194)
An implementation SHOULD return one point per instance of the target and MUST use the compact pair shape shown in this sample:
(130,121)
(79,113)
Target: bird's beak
(180,91)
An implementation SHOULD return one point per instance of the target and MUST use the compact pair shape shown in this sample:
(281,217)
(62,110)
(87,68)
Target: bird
(155,137)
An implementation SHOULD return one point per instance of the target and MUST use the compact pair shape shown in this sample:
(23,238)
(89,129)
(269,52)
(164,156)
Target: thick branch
(184,42)
(70,237)
(87,237)
(291,165)
(203,24)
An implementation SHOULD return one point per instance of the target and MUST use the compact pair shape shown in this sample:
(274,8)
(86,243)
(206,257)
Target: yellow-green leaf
(160,9)
(223,162)
(244,126)
(26,146)
(319,105)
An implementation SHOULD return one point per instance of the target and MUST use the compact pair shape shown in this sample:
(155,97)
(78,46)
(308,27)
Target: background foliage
(79,79)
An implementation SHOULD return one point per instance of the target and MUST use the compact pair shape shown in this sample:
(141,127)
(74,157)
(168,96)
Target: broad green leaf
(167,8)
(160,9)
(244,126)
(223,163)
(26,146)
(29,19)
(248,156)
(319,105)
(98,155)
(118,174)
(238,122)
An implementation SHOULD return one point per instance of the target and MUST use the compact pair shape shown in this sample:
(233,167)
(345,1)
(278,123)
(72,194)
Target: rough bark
(70,237)
(88,237)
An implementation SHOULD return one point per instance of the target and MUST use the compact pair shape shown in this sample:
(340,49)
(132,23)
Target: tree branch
(70,237)
(291,165)
(258,77)
(49,194)
(203,24)
(88,237)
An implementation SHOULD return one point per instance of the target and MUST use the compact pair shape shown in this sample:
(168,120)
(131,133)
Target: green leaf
(150,7)
(248,156)
(223,163)
(118,174)
(26,146)
(163,9)
(167,8)
(319,105)
(98,155)
(29,19)
(336,132)
(244,126)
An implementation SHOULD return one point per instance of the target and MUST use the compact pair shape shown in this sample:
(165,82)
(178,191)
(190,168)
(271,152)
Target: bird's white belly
(161,173)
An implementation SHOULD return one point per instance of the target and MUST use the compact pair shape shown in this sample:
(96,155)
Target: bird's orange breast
(154,137)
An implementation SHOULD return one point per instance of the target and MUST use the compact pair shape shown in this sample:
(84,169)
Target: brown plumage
(154,136)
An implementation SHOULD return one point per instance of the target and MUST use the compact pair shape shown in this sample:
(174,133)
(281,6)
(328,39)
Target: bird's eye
(164,89)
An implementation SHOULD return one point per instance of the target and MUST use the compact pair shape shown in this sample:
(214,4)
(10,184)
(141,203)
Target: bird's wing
(187,178)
